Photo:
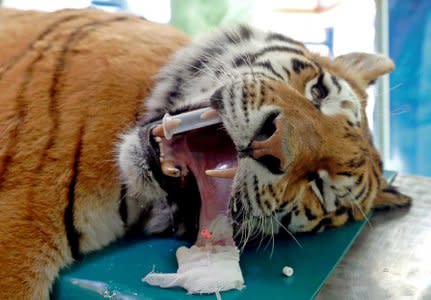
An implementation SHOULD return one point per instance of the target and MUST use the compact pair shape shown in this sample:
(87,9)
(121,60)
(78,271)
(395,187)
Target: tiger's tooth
(158,131)
(172,172)
(169,169)
(223,173)
(209,114)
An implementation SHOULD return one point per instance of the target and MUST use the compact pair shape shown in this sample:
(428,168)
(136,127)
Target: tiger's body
(78,168)
(70,82)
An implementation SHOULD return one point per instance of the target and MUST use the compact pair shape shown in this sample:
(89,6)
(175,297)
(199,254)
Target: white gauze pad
(203,270)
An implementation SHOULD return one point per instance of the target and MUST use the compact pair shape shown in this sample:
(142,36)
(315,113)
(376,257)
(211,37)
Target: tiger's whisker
(289,233)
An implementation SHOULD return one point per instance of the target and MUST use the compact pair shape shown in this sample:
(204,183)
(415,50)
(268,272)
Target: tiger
(80,164)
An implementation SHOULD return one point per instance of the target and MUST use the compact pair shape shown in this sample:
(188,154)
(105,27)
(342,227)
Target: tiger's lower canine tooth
(223,173)
(169,169)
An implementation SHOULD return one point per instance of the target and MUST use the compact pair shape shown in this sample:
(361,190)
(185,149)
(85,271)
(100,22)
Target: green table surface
(116,271)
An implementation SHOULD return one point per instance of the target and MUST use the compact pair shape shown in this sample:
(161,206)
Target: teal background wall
(410,94)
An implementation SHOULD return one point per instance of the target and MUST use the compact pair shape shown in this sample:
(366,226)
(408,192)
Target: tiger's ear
(390,197)
(365,65)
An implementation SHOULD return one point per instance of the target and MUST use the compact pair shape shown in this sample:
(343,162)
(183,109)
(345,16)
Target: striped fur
(70,82)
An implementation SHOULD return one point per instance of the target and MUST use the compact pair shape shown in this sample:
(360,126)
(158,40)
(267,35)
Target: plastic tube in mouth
(190,120)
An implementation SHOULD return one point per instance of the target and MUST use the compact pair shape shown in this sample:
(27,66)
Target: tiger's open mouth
(196,151)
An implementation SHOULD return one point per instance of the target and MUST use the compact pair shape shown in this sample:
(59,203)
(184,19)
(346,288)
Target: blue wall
(410,48)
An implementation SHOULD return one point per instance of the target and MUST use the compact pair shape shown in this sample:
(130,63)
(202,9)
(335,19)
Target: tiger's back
(68,89)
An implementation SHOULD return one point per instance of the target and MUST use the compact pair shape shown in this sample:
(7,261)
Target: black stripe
(238,35)
(175,92)
(213,52)
(322,88)
(245,107)
(286,70)
(336,83)
(245,194)
(232,102)
(341,211)
(361,192)
(310,216)
(22,111)
(321,225)
(267,204)
(356,163)
(379,163)
(376,176)
(299,65)
(267,65)
(58,71)
(256,189)
(219,70)
(345,174)
(283,205)
(287,219)
(233,37)
(50,28)
(314,176)
(198,65)
(250,58)
(282,38)
(245,32)
(359,179)
(391,190)
(262,90)
(72,233)
(216,100)
(123,204)
(319,184)
(352,136)
(369,188)
(277,49)
(244,59)
(272,192)
(73,236)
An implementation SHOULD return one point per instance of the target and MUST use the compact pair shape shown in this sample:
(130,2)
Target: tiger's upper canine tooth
(158,131)
(223,173)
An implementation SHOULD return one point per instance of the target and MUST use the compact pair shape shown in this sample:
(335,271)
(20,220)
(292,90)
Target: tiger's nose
(267,147)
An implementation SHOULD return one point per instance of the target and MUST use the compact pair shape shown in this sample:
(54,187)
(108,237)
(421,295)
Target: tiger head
(306,159)
(303,149)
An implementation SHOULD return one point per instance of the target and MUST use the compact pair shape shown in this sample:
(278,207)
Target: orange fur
(70,82)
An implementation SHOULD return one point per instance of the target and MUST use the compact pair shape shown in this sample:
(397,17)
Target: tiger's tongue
(198,151)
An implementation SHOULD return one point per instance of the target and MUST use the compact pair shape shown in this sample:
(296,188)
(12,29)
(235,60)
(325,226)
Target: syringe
(174,124)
